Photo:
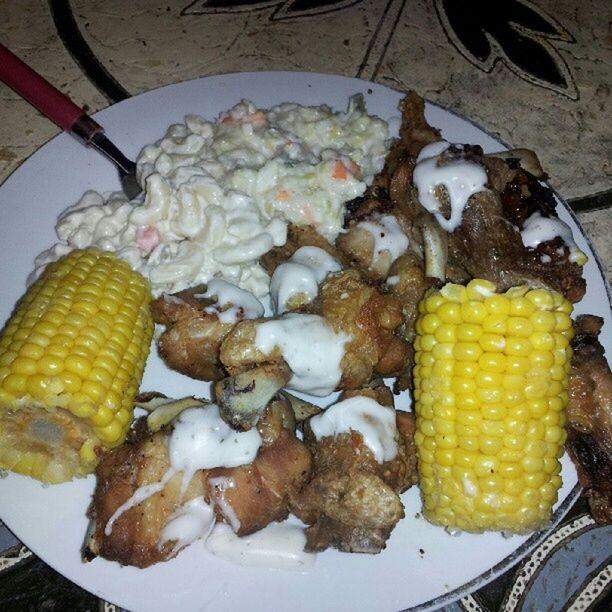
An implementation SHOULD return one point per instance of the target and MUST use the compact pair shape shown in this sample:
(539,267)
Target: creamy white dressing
(243,305)
(290,280)
(387,235)
(393,280)
(191,522)
(376,424)
(318,260)
(460,177)
(301,275)
(141,494)
(278,546)
(538,229)
(311,348)
(219,487)
(202,440)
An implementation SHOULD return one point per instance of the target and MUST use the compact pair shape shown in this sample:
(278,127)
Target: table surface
(534,73)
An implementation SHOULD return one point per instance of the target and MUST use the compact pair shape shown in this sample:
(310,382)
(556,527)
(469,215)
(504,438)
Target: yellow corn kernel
(454,293)
(70,367)
(490,405)
(479,289)
(473,312)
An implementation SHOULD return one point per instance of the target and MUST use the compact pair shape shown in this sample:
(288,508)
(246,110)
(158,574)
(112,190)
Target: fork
(64,112)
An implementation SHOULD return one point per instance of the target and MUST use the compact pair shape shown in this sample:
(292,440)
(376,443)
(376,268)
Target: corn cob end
(71,359)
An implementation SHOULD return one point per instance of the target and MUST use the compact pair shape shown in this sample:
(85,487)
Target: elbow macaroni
(218,195)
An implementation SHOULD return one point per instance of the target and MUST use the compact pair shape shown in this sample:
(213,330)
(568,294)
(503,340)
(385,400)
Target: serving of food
(376,334)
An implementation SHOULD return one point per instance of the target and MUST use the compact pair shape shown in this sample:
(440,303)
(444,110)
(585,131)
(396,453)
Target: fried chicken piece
(142,460)
(248,497)
(190,343)
(370,318)
(357,244)
(589,417)
(374,244)
(351,501)
(351,306)
(375,200)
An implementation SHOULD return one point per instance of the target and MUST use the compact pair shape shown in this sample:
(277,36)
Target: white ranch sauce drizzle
(302,273)
(201,440)
(461,178)
(189,523)
(311,348)
(374,422)
(219,486)
(319,261)
(538,229)
(278,546)
(141,493)
(244,305)
(387,234)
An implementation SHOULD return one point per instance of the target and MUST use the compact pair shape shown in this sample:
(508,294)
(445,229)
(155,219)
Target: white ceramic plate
(51,520)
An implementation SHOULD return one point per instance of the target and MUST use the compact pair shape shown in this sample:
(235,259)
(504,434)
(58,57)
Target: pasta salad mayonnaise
(219,194)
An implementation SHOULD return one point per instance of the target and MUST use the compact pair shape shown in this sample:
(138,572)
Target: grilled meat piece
(589,417)
(488,243)
(352,502)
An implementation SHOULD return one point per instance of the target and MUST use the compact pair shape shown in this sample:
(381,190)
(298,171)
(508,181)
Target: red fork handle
(44,96)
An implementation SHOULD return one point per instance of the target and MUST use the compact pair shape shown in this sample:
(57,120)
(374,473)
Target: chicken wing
(190,343)
(137,495)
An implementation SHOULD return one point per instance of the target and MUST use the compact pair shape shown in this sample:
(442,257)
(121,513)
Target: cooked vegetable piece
(243,398)
(71,359)
(302,409)
(491,382)
(163,413)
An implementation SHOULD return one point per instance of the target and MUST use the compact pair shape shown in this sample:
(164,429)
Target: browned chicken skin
(589,417)
(351,501)
(190,343)
(350,305)
(258,494)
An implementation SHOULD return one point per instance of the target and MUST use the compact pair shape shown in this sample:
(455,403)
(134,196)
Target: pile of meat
(348,499)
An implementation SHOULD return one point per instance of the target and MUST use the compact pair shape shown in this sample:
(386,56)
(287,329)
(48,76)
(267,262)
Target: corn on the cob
(71,359)
(491,381)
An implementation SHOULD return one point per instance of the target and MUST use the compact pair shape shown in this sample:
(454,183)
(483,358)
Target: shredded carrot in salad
(341,169)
